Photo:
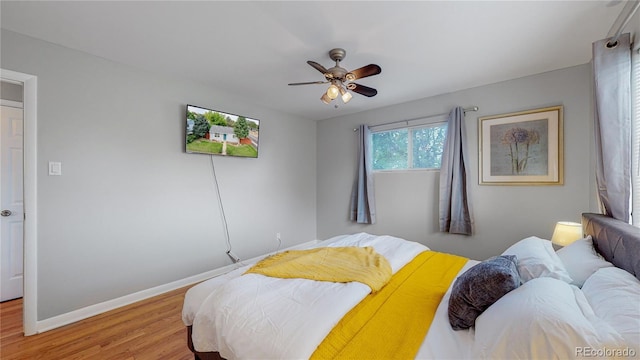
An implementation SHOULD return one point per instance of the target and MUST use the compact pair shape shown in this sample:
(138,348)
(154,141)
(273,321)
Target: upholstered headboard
(617,241)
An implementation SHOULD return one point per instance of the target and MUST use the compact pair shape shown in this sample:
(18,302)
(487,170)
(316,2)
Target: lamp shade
(346,96)
(333,91)
(325,98)
(566,232)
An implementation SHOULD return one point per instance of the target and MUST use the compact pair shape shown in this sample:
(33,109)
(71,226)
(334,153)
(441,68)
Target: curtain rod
(473,108)
(622,20)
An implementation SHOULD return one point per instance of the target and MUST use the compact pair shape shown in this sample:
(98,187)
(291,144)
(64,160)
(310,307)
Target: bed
(579,303)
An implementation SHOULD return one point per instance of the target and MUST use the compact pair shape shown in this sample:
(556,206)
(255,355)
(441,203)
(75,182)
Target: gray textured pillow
(479,287)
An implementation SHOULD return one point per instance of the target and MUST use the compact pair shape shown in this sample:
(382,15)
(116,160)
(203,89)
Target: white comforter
(255,316)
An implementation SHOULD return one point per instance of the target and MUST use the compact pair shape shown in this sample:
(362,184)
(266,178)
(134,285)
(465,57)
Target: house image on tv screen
(222,133)
(217,133)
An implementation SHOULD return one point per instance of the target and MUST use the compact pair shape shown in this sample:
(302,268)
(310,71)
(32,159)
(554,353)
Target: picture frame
(521,148)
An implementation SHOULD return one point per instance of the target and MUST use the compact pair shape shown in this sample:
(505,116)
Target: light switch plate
(55,168)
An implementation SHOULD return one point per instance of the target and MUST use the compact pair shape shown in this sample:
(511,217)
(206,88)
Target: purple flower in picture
(519,141)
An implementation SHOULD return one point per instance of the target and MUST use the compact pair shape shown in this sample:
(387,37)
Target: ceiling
(254,49)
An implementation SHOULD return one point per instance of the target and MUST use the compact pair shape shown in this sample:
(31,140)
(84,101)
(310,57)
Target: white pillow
(614,295)
(543,319)
(536,258)
(581,260)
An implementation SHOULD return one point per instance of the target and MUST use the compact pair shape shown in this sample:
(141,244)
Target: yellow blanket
(404,310)
(338,264)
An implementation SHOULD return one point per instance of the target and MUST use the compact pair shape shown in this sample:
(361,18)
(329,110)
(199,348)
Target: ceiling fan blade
(369,70)
(364,90)
(309,83)
(318,67)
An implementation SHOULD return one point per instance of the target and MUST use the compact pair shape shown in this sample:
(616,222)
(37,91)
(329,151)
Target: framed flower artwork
(523,148)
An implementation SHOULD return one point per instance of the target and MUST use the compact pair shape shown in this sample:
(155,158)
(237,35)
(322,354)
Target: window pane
(427,146)
(390,149)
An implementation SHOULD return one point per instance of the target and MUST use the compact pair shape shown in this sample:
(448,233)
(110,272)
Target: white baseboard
(92,310)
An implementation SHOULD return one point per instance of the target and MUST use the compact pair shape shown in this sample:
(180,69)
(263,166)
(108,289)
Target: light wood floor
(150,329)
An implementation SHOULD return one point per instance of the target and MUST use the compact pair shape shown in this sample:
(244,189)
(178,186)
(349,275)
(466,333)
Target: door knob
(5,212)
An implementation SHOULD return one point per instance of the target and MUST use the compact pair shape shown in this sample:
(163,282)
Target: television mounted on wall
(219,133)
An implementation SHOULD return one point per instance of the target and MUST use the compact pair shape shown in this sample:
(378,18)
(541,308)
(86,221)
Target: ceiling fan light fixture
(333,91)
(346,96)
(326,99)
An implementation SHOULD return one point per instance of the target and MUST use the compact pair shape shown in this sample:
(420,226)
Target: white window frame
(410,130)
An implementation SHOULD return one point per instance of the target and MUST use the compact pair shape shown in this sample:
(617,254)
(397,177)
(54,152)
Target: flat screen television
(219,133)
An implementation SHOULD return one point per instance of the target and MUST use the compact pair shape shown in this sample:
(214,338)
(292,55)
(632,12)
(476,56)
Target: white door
(11,203)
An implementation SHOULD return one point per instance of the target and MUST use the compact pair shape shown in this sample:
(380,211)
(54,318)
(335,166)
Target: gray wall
(407,202)
(132,210)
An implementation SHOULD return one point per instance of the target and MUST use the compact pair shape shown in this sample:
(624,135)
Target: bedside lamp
(566,232)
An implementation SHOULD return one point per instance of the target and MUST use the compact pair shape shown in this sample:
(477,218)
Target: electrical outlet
(278,237)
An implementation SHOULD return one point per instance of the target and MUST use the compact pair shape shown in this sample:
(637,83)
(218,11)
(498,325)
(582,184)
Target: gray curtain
(612,75)
(455,205)
(363,205)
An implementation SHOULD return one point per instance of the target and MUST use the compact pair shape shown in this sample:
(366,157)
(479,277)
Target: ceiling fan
(341,80)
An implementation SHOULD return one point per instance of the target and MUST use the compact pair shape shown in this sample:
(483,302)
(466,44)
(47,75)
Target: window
(635,119)
(409,148)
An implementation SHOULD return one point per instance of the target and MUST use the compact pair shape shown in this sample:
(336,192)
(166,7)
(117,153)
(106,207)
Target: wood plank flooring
(150,329)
